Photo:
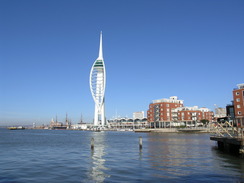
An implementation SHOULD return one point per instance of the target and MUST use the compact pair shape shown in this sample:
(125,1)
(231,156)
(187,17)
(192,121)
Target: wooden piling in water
(140,143)
(92,143)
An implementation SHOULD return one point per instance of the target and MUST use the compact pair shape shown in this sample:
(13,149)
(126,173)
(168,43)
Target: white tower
(97,86)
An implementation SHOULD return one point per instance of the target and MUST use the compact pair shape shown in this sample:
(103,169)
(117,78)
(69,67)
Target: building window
(167,105)
(239,112)
(237,93)
(238,100)
(238,106)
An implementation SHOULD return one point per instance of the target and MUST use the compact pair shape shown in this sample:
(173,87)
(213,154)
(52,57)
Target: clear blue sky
(153,49)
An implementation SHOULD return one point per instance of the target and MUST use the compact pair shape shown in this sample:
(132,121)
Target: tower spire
(101,46)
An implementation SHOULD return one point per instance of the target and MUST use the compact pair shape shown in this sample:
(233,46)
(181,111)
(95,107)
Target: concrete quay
(174,130)
(230,144)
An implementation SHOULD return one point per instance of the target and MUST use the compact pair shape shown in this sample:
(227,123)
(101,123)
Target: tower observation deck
(97,87)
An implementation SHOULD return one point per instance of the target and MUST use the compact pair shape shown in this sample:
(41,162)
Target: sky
(153,49)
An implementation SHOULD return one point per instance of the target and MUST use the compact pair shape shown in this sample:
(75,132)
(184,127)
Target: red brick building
(163,112)
(238,99)
(189,114)
(160,111)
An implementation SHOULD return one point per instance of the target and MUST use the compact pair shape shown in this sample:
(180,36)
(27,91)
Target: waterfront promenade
(176,130)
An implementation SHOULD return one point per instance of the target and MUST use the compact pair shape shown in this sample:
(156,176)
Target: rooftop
(240,86)
(173,99)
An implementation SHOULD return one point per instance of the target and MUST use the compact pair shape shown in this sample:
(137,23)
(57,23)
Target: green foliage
(204,121)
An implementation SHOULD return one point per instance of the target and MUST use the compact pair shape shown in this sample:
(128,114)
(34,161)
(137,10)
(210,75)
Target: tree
(204,121)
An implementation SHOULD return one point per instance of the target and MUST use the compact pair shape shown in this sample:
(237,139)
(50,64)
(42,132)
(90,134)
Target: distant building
(165,112)
(230,111)
(238,100)
(138,115)
(159,111)
(57,125)
(81,126)
(127,123)
(190,114)
(220,112)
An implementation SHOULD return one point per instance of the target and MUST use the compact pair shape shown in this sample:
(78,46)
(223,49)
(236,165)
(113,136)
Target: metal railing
(229,129)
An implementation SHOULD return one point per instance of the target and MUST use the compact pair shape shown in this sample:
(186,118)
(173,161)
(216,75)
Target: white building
(220,112)
(138,115)
(80,126)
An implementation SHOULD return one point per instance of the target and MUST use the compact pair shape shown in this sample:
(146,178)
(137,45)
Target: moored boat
(16,128)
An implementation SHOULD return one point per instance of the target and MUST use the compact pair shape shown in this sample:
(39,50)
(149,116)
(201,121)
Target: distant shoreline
(146,130)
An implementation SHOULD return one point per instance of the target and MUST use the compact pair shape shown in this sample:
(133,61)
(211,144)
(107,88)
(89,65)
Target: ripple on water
(65,156)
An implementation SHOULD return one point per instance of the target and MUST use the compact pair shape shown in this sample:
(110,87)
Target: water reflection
(97,172)
(176,154)
(227,162)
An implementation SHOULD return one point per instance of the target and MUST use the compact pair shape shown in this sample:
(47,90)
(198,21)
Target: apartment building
(163,112)
(160,110)
(238,101)
(189,114)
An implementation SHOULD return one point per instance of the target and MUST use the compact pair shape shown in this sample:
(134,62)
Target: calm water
(65,156)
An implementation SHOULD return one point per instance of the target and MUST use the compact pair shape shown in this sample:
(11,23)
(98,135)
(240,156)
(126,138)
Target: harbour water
(66,156)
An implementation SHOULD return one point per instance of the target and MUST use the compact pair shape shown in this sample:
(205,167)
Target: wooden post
(140,143)
(92,143)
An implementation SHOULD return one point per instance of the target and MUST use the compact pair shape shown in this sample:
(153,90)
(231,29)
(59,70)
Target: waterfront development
(66,156)
(164,62)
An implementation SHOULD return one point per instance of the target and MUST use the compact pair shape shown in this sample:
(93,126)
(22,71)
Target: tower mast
(100,56)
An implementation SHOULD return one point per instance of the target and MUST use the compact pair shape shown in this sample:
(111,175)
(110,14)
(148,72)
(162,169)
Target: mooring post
(140,143)
(92,143)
